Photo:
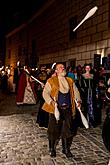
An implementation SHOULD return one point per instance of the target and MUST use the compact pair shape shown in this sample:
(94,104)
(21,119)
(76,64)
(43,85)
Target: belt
(64,107)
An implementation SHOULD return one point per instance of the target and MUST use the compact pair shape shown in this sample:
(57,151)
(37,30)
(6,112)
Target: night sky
(14,13)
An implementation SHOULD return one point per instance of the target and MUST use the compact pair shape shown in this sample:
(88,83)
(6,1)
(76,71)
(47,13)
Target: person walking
(106,123)
(60,94)
(106,131)
(26,92)
(88,95)
(16,76)
(42,116)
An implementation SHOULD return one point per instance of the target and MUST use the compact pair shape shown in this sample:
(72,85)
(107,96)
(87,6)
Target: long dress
(88,88)
(25,92)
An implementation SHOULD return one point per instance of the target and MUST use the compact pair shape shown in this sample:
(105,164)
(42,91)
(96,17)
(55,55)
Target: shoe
(66,148)
(53,153)
(68,154)
(52,148)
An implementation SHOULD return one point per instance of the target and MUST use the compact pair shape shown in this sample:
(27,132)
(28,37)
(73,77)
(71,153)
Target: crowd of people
(61,92)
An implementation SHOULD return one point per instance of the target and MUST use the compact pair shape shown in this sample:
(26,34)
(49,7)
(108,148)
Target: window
(34,54)
(72,63)
(10,40)
(9,53)
(97,60)
(72,25)
(20,35)
(109,15)
(20,50)
(24,51)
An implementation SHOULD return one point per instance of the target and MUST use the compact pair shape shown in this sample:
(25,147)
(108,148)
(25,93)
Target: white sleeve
(108,82)
(76,93)
(46,93)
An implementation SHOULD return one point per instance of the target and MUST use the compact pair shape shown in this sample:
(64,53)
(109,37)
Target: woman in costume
(88,95)
(25,93)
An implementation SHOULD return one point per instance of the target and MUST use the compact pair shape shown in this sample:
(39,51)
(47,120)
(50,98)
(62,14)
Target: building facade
(48,36)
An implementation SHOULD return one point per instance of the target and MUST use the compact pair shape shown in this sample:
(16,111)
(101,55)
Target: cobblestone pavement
(22,142)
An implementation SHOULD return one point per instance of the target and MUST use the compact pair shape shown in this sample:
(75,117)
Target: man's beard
(63,74)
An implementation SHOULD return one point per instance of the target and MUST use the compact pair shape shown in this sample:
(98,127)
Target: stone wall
(50,30)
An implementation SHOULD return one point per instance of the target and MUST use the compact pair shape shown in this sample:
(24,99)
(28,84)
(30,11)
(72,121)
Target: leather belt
(64,107)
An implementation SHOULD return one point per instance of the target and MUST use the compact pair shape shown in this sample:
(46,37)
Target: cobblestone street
(22,142)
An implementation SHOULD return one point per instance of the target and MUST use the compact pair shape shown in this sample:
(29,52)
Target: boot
(70,139)
(52,149)
(66,148)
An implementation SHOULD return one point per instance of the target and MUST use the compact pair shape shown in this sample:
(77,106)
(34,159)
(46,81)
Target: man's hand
(78,104)
(42,85)
(52,103)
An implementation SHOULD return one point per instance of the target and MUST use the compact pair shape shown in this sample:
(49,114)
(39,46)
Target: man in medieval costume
(60,94)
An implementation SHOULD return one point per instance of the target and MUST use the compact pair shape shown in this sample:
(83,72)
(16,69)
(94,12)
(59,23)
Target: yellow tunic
(54,83)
